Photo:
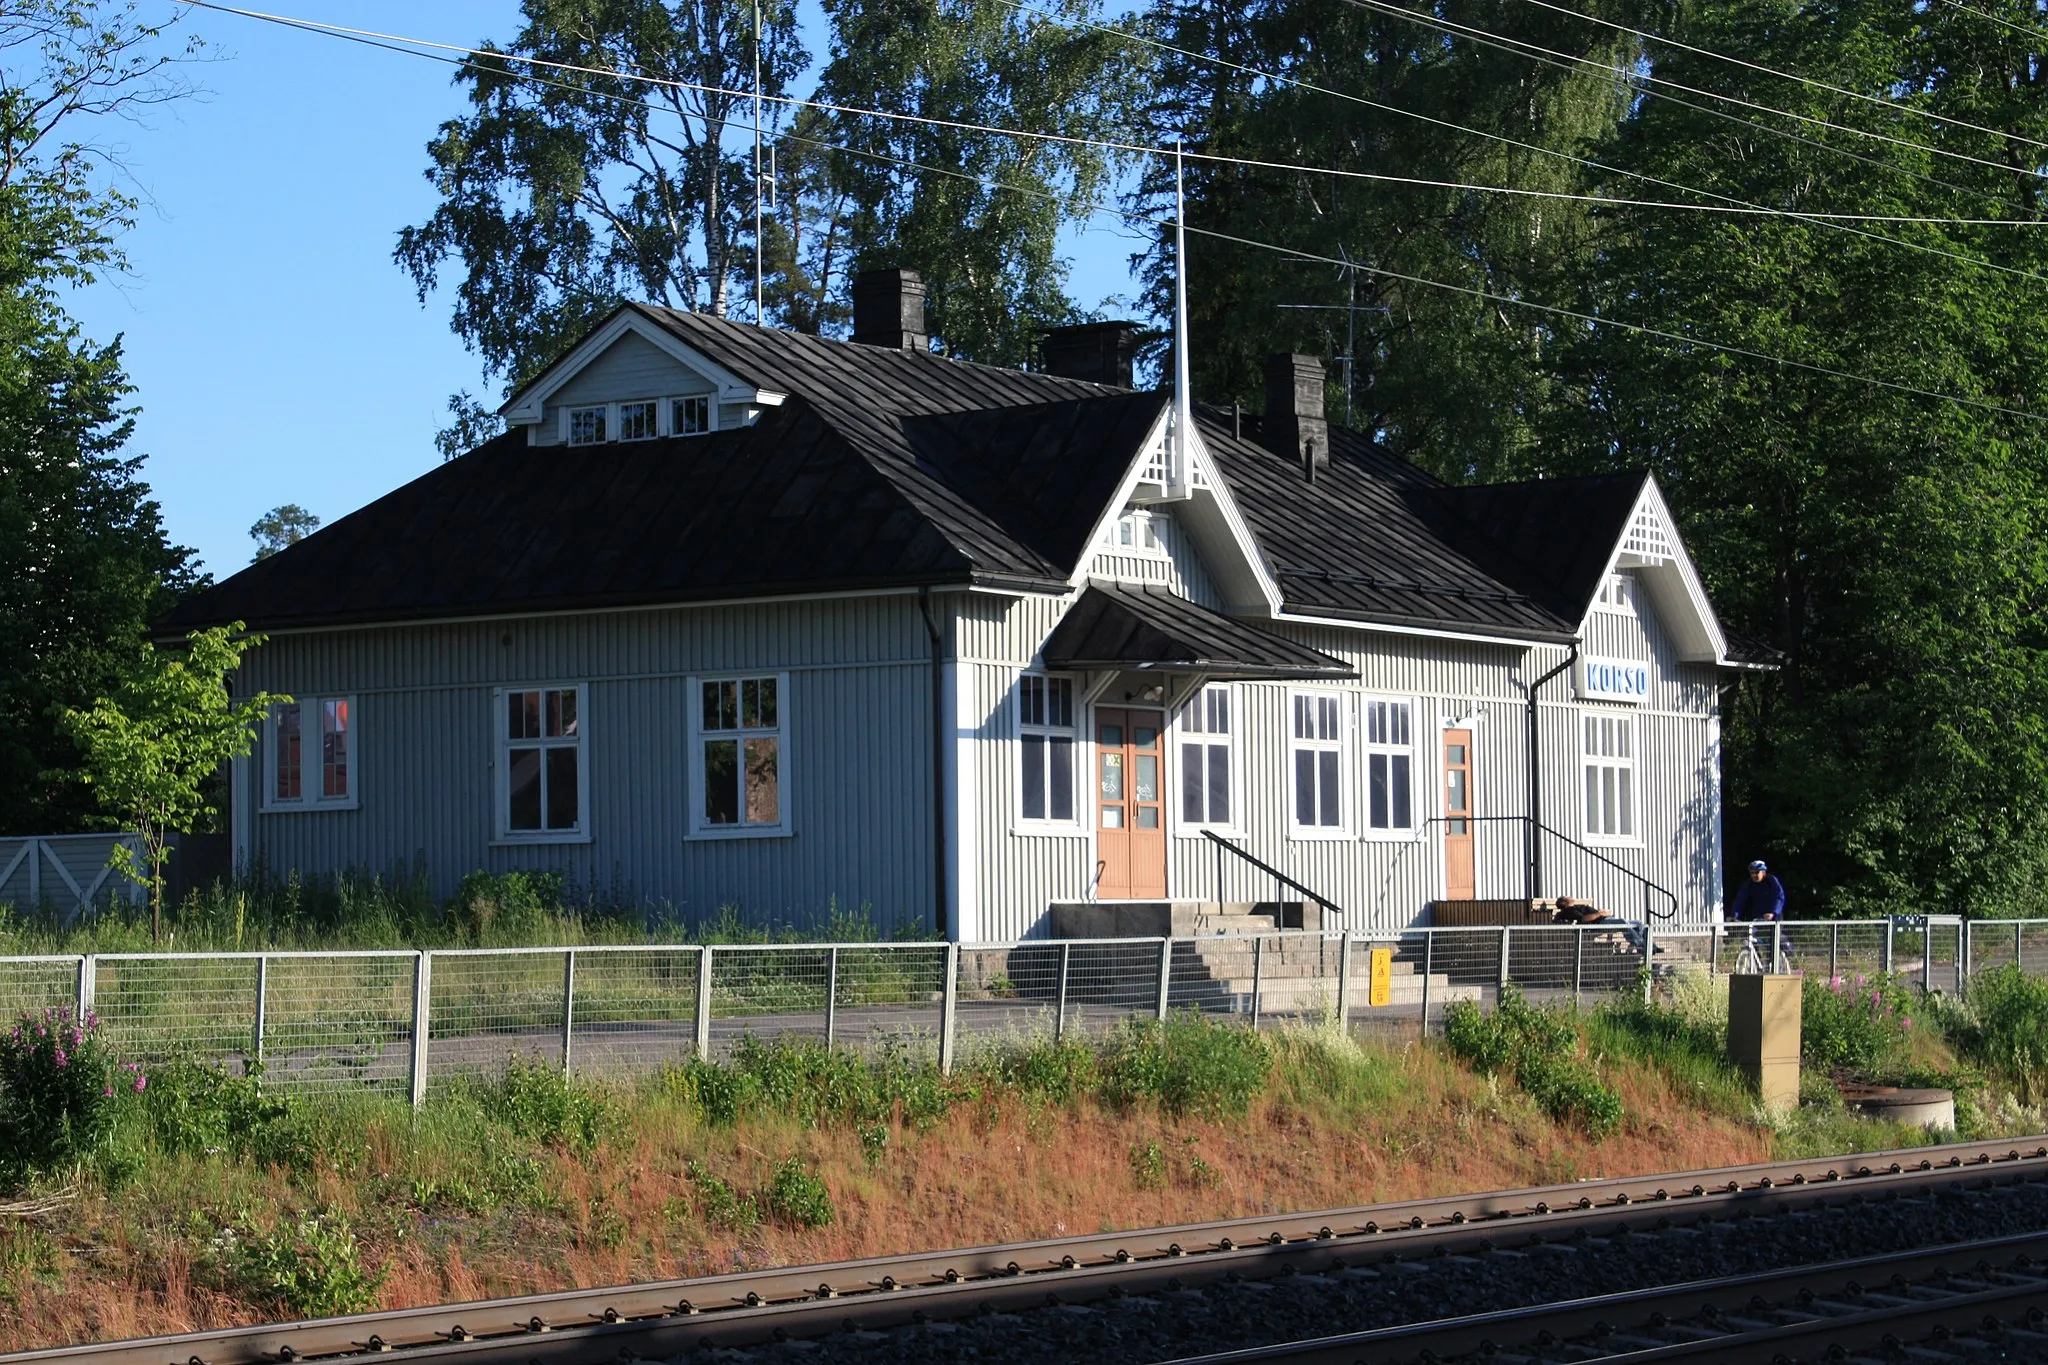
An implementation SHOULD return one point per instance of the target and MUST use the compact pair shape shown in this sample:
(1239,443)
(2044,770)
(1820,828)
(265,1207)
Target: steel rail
(755,1306)
(1833,1308)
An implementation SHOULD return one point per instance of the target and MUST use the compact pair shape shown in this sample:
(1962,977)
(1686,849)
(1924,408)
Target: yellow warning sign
(1382,990)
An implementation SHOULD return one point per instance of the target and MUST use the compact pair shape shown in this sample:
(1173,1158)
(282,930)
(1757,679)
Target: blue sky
(278,354)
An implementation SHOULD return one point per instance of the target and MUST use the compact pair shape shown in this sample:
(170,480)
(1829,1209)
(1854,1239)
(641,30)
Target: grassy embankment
(208,1201)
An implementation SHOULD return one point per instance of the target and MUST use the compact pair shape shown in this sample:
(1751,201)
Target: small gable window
(1137,533)
(587,426)
(639,421)
(311,754)
(1614,594)
(690,416)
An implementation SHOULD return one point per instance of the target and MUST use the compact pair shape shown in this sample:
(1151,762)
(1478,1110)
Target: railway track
(1952,1301)
(751,1308)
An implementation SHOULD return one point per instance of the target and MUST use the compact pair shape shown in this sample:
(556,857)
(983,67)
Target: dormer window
(1136,533)
(690,416)
(639,421)
(587,426)
(1613,595)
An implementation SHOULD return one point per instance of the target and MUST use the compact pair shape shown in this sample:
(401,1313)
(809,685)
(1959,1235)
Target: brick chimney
(1100,352)
(1294,425)
(888,310)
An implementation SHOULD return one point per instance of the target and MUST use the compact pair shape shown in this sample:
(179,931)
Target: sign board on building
(1626,680)
(1382,989)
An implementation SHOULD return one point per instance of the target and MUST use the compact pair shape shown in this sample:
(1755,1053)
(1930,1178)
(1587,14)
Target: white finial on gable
(1180,429)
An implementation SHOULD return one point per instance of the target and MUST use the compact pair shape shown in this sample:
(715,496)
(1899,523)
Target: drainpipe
(1532,838)
(940,919)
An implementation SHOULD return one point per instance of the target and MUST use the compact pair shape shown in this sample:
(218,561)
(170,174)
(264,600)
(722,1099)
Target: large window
(312,754)
(1205,728)
(589,426)
(542,762)
(1318,762)
(1045,722)
(739,755)
(1610,777)
(1389,765)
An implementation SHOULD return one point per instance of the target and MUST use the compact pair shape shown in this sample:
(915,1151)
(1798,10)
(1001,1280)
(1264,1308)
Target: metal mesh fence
(332,1021)
(339,1022)
(33,984)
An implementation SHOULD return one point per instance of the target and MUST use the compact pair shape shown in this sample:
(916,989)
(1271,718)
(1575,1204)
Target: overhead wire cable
(1833,223)
(393,44)
(1816,84)
(1640,83)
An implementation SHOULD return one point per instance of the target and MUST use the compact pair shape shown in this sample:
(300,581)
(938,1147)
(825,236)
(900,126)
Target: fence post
(1344,982)
(1649,958)
(422,990)
(1777,946)
(88,984)
(1888,927)
(832,997)
(1165,975)
(1926,956)
(1578,960)
(568,1006)
(1059,1019)
(1966,943)
(1505,930)
(262,1006)
(946,1022)
(703,1039)
(1835,951)
(2019,944)
(1258,968)
(1428,954)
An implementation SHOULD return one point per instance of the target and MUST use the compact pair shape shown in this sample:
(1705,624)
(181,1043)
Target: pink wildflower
(63,1059)
(108,1091)
(140,1081)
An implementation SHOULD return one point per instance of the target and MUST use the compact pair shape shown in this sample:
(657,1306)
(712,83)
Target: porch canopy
(1144,627)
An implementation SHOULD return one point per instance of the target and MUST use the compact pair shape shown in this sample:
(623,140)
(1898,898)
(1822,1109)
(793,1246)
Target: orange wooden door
(1130,803)
(1460,874)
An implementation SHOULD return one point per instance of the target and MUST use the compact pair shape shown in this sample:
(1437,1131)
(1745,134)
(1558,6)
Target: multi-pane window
(1613,594)
(588,426)
(312,752)
(1389,765)
(639,421)
(690,416)
(1045,716)
(543,751)
(1205,728)
(740,753)
(1318,761)
(1610,776)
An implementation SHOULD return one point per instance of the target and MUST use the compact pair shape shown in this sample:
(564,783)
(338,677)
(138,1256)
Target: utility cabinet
(1763,1035)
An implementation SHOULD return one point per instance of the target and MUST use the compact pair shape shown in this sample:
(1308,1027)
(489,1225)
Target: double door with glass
(1130,804)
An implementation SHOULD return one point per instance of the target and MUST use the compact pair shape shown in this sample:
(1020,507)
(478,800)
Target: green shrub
(1187,1065)
(537,1101)
(1686,1039)
(2004,1028)
(309,1268)
(1541,1047)
(721,1204)
(797,1197)
(1148,1165)
(1058,1071)
(803,1079)
(196,1108)
(491,907)
(1481,1040)
(1859,1023)
(60,1092)
(1568,1090)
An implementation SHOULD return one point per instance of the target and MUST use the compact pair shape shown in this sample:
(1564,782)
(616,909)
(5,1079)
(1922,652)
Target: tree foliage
(155,747)
(281,526)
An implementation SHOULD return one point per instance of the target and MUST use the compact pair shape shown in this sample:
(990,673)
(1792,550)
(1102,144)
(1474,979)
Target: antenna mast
(1183,403)
(759,314)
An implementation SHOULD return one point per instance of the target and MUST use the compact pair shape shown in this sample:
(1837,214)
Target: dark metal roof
(1151,627)
(887,468)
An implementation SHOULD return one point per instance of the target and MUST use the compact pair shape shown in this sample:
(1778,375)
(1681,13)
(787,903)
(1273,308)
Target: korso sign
(1614,680)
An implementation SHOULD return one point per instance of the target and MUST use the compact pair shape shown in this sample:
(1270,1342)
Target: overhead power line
(1877,100)
(1642,81)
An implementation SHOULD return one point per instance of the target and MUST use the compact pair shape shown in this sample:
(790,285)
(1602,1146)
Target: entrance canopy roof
(1144,627)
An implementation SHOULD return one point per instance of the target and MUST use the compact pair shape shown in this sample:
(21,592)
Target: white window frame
(618,422)
(668,413)
(1628,791)
(1150,535)
(312,757)
(1347,787)
(1369,748)
(1177,765)
(1616,596)
(702,828)
(501,767)
(1073,732)
(611,425)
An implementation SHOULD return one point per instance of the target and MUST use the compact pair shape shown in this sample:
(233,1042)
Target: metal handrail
(1648,886)
(1329,906)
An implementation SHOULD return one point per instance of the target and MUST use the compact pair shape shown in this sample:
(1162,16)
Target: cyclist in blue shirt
(1762,897)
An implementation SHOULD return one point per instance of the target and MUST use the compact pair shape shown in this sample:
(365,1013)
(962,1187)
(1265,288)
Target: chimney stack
(1294,425)
(1099,352)
(888,310)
